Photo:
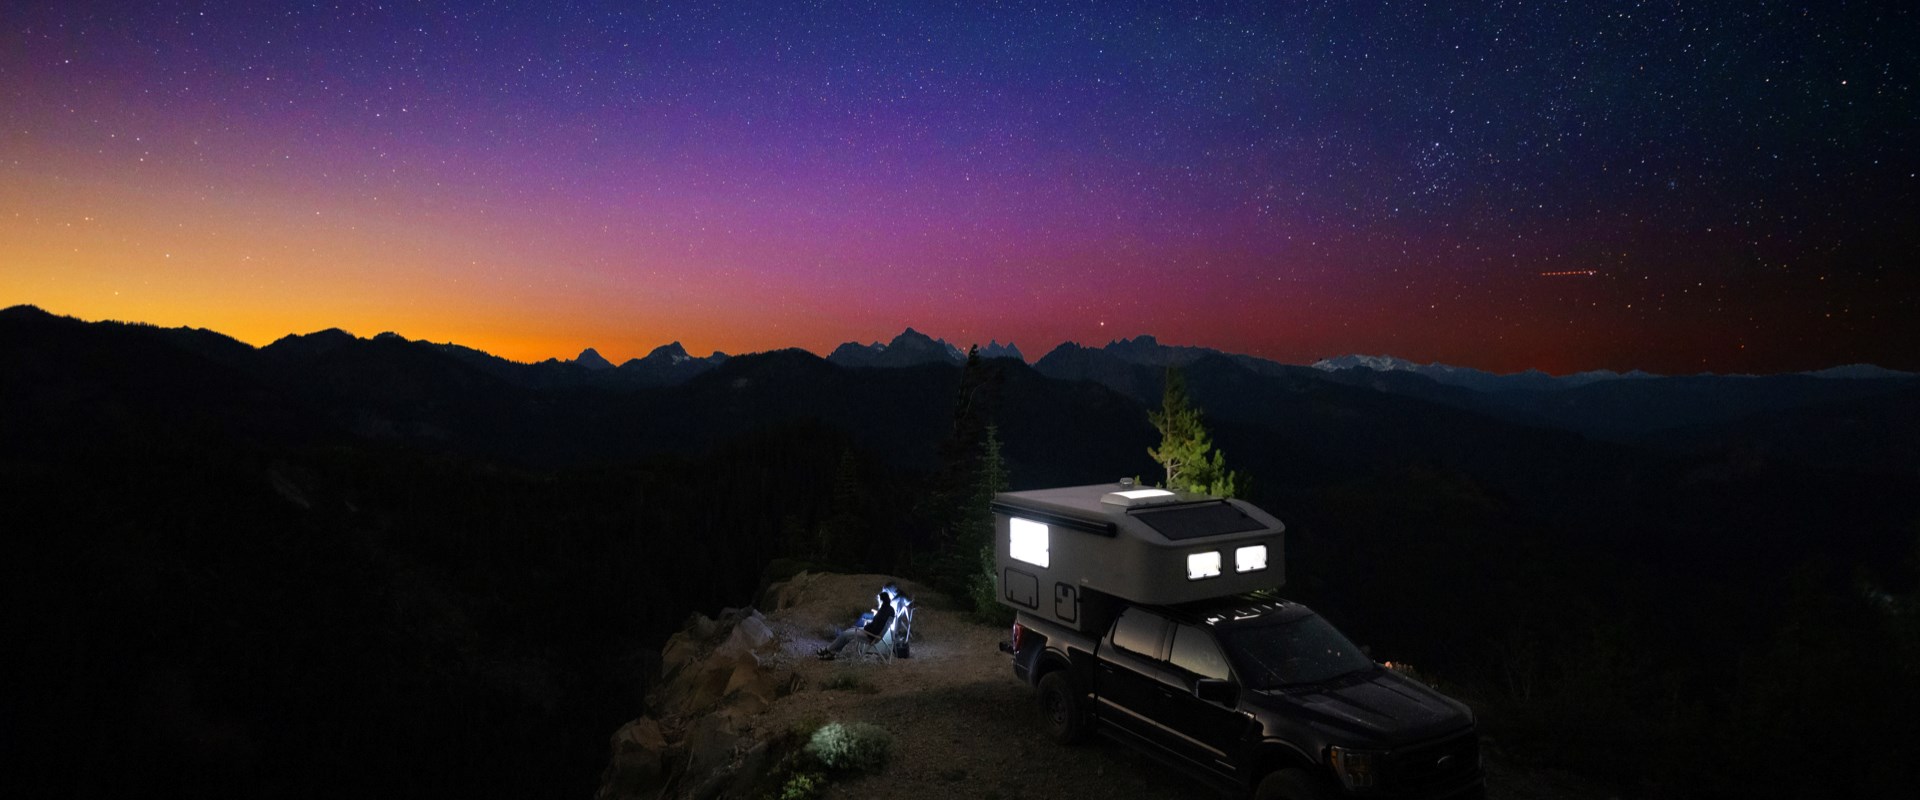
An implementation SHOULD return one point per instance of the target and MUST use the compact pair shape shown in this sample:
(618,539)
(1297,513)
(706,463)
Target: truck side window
(1139,632)
(1195,652)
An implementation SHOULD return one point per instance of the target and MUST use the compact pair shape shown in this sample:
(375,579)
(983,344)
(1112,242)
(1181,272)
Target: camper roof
(1106,508)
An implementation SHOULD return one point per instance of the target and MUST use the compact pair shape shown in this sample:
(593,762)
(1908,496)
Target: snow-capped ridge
(1859,372)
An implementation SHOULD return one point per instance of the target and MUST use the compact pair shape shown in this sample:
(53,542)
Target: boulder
(737,779)
(680,650)
(753,690)
(704,683)
(750,635)
(642,760)
(711,742)
(701,627)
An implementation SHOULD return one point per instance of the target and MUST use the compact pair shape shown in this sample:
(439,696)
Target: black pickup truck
(1257,696)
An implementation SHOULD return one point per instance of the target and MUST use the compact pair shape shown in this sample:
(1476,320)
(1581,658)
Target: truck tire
(1060,702)
(1292,783)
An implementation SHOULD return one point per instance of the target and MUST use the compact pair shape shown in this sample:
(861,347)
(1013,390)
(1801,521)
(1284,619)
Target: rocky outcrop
(693,742)
(723,721)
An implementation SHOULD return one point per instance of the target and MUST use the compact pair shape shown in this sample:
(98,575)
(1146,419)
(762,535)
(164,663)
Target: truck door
(1207,732)
(1129,680)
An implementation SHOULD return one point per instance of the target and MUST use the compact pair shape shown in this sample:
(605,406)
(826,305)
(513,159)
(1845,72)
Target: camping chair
(893,640)
(877,647)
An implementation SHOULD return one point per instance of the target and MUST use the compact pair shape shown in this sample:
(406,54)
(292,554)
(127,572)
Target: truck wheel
(1291,784)
(1060,701)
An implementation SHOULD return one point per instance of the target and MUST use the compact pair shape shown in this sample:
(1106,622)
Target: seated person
(902,625)
(882,618)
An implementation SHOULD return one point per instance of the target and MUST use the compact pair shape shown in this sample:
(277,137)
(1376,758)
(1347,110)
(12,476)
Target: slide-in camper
(1058,550)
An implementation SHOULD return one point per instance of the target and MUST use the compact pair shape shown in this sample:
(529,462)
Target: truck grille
(1431,764)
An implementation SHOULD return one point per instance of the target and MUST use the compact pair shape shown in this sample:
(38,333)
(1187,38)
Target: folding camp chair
(878,648)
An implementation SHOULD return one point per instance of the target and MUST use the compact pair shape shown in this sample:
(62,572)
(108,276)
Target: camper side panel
(1039,566)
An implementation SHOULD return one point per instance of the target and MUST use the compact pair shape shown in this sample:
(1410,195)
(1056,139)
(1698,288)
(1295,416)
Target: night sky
(1671,186)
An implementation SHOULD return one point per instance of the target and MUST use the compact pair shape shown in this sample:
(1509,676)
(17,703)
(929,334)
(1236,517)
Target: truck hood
(1376,708)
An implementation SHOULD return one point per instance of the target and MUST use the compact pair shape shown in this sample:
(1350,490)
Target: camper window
(1203,565)
(1027,541)
(1249,559)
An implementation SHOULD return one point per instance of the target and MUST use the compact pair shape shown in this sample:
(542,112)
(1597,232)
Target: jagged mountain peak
(995,349)
(910,348)
(671,352)
(913,338)
(591,359)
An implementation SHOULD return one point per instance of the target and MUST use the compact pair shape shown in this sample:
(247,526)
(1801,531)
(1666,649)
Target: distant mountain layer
(1479,380)
(667,365)
(1634,408)
(1474,379)
(910,349)
(1079,415)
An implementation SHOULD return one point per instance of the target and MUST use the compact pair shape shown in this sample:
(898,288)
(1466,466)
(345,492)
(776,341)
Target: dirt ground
(964,727)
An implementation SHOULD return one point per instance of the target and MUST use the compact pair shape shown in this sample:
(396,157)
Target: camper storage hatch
(1051,546)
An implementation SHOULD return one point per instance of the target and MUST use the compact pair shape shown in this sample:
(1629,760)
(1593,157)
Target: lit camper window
(1027,541)
(1203,565)
(1248,559)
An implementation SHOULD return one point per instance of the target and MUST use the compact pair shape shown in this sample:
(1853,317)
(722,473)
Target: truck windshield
(1304,651)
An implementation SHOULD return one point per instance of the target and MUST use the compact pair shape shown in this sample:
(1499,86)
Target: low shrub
(850,747)
(804,786)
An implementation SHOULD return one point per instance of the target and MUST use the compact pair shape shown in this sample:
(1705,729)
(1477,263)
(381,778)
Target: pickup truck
(1254,695)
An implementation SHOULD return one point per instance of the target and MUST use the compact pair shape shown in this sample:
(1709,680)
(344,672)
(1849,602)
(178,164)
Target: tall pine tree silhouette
(950,510)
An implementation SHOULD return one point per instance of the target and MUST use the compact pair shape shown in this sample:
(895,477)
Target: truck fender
(1047,661)
(1276,754)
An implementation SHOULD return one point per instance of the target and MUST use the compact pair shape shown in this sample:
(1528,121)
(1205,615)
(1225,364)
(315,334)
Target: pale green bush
(850,747)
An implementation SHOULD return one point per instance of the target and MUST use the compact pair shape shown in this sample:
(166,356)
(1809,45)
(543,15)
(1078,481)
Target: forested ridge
(339,565)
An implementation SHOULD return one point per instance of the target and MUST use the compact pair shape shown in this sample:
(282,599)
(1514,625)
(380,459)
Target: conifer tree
(993,480)
(949,504)
(1186,448)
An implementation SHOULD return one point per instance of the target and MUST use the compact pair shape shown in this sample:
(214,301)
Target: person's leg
(840,642)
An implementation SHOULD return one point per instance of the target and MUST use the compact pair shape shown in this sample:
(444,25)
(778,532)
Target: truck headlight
(1358,769)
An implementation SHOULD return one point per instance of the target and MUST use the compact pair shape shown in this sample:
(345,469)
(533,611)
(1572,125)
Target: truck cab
(1252,694)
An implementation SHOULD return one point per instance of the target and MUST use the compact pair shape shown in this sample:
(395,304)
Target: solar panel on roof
(1196,521)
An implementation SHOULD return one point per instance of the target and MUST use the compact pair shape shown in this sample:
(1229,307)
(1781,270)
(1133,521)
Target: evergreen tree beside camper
(1186,449)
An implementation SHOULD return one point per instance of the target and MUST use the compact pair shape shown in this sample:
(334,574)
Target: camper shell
(1058,551)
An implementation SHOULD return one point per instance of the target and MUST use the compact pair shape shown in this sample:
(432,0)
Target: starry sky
(1671,186)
